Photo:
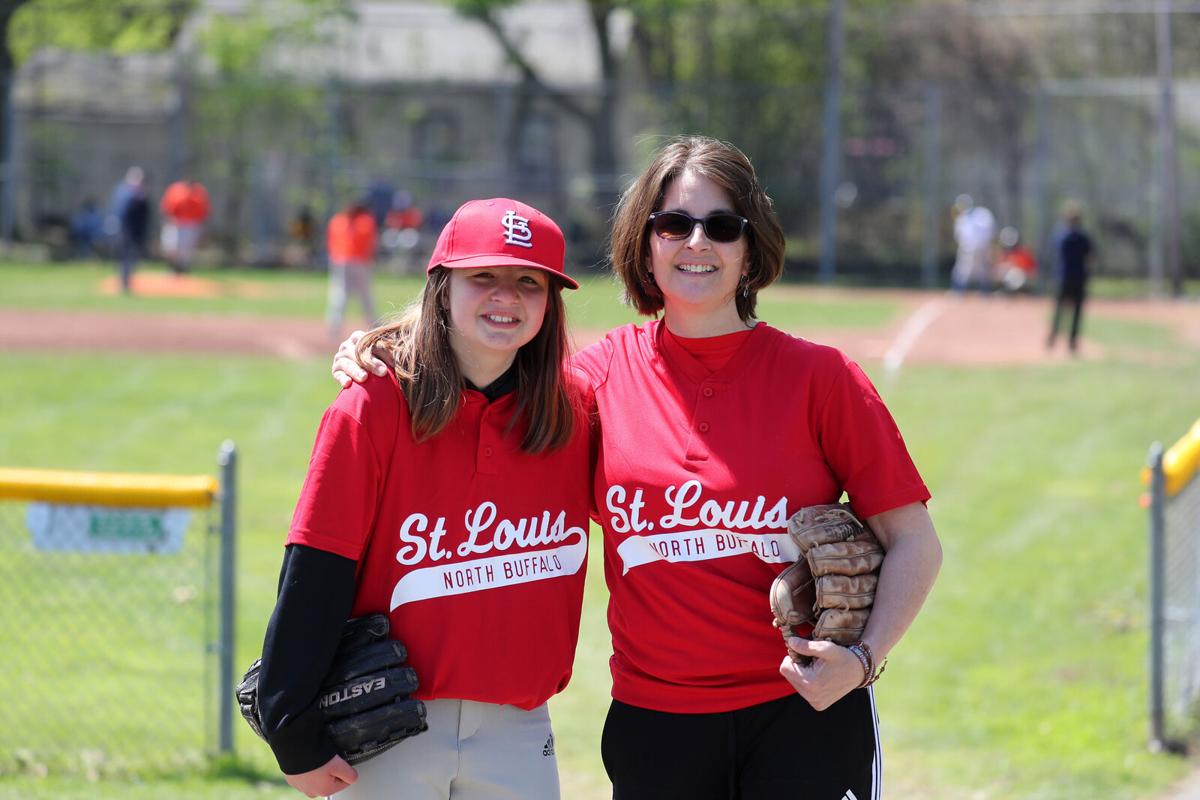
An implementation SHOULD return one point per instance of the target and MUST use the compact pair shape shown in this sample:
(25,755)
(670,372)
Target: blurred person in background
(302,234)
(350,239)
(402,230)
(974,233)
(1073,251)
(1016,267)
(87,228)
(379,199)
(185,208)
(129,222)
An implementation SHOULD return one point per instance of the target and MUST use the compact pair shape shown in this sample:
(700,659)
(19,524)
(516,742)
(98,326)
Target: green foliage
(480,8)
(252,92)
(116,26)
(240,44)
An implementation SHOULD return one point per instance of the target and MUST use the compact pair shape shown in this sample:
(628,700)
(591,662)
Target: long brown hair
(729,168)
(429,376)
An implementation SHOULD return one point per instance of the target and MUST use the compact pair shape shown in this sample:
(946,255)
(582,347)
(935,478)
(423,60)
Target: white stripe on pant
(472,751)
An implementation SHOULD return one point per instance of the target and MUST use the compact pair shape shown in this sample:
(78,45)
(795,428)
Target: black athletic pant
(779,750)
(1069,294)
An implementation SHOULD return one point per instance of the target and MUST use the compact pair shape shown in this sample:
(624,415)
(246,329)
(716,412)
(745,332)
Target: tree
(27,25)
(985,70)
(600,117)
(249,93)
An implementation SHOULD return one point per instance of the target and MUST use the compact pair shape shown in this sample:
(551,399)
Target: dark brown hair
(419,345)
(728,167)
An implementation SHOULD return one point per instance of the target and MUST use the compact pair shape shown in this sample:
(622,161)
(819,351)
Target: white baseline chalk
(914,326)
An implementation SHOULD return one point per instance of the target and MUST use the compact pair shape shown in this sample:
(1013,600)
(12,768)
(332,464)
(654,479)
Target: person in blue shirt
(1073,249)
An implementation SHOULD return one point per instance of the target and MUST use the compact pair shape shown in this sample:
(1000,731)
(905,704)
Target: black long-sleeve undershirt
(316,594)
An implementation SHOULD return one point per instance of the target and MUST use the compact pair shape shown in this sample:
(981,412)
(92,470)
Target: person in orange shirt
(184,207)
(1017,266)
(350,240)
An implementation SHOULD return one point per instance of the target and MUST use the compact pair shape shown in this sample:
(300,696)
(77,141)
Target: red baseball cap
(501,233)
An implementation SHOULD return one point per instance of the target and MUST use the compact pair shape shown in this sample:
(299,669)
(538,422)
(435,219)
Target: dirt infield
(933,328)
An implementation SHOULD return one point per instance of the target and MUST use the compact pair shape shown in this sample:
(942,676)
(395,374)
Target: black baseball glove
(365,696)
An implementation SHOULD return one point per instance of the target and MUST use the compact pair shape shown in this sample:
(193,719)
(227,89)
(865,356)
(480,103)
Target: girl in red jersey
(451,495)
(714,428)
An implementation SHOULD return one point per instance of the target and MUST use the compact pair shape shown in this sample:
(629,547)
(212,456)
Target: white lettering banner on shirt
(705,544)
(480,574)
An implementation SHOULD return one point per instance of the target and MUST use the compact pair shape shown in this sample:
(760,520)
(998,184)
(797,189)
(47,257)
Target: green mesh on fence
(1181,613)
(107,665)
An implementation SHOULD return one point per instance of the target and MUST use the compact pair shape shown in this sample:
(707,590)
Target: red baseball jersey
(698,473)
(476,550)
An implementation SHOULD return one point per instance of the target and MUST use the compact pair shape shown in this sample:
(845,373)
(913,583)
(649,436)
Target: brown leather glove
(831,587)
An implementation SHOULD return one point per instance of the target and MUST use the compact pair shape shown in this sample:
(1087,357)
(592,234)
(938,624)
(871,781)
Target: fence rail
(1173,478)
(116,614)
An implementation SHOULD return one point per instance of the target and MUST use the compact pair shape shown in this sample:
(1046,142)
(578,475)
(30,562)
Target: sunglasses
(720,226)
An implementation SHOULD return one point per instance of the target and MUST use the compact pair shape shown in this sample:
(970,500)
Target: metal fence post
(831,145)
(932,168)
(227,461)
(1157,610)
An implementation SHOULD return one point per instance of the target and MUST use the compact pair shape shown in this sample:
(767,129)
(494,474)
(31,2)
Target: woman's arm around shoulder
(346,367)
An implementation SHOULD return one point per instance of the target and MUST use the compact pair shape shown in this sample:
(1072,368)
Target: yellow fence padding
(1180,462)
(108,488)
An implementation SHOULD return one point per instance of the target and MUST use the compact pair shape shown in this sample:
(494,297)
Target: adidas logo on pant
(548,750)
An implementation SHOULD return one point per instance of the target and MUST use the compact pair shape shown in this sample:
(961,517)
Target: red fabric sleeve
(590,367)
(592,362)
(864,447)
(337,505)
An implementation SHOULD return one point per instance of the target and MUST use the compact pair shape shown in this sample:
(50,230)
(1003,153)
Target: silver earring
(745,286)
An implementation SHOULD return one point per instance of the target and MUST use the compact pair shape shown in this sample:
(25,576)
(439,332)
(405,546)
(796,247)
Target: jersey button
(487,452)
(708,392)
(703,426)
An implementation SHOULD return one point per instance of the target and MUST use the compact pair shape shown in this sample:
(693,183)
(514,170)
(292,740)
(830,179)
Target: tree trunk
(7,75)
(603,120)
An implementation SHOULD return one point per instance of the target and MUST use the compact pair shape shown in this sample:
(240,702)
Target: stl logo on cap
(516,230)
(499,232)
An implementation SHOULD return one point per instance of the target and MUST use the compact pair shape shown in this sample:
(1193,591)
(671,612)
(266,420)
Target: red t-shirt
(476,550)
(697,474)
(351,239)
(185,203)
(1021,258)
(713,352)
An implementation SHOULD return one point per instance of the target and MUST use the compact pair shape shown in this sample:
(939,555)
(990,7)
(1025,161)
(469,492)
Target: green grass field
(1023,678)
(75,286)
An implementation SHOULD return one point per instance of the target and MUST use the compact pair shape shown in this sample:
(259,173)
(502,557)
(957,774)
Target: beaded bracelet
(863,659)
(867,658)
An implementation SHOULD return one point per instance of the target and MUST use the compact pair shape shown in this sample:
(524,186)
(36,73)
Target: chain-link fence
(932,116)
(1175,593)
(109,616)
(281,163)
